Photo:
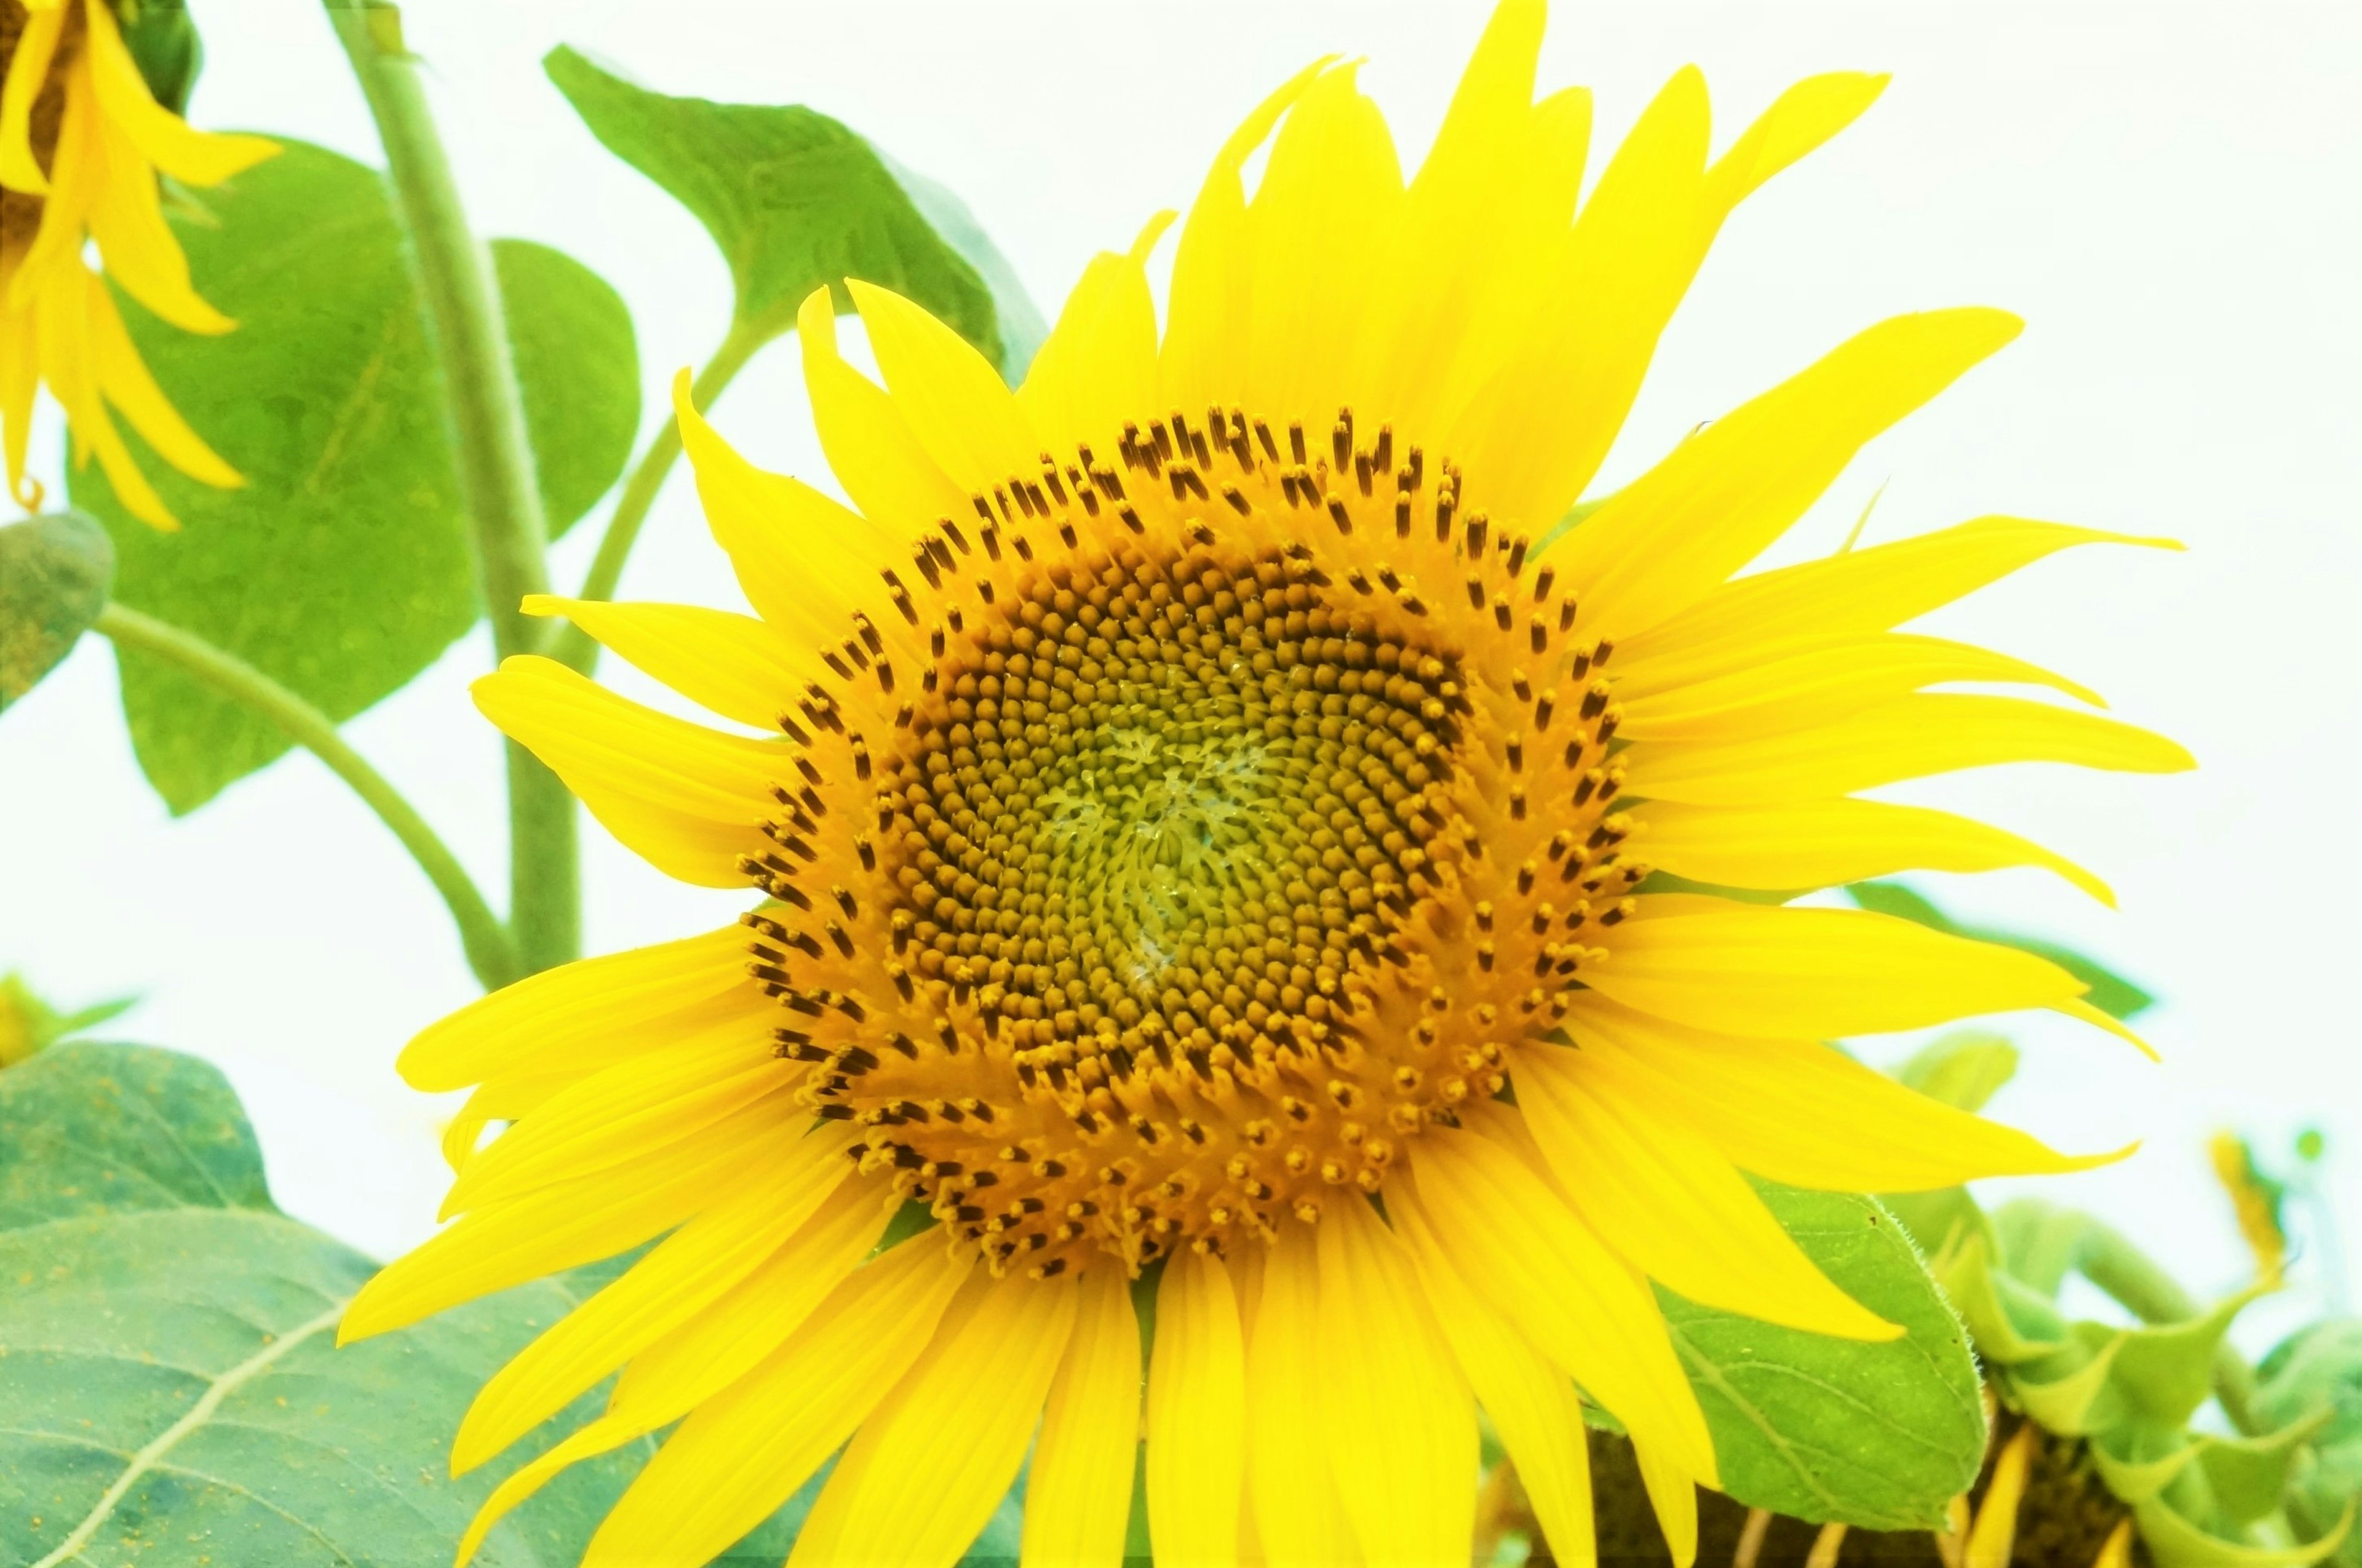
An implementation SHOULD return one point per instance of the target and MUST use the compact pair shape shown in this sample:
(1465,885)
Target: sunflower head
(1204,805)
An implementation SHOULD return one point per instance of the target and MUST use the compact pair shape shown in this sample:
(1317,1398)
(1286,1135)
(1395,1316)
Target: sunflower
(1206,826)
(81,143)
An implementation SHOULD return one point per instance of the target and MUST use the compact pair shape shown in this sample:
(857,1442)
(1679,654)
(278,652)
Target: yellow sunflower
(1206,837)
(81,143)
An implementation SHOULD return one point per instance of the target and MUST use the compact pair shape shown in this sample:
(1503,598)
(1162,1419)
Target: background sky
(2172,196)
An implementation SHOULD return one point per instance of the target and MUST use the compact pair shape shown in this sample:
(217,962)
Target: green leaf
(55,573)
(165,45)
(1876,1435)
(1964,1070)
(2318,1370)
(342,568)
(2110,992)
(796,200)
(167,1358)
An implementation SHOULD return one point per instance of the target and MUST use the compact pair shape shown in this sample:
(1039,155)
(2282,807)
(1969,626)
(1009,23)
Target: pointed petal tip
(2079,1009)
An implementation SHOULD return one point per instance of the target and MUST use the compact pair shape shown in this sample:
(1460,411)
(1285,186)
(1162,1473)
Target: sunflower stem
(497,482)
(2108,1259)
(572,646)
(490,952)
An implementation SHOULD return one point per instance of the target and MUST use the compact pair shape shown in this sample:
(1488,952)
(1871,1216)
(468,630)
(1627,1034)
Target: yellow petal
(1532,1404)
(1078,1490)
(1499,1223)
(1673,535)
(1800,685)
(1790,974)
(1798,1111)
(603,1435)
(1798,121)
(870,445)
(1098,367)
(1861,591)
(538,1024)
(806,563)
(123,209)
(124,380)
(161,137)
(567,1225)
(744,1451)
(1299,1519)
(1910,737)
(685,1273)
(1799,845)
(687,798)
(960,409)
(734,665)
(28,73)
(1396,1412)
(1203,360)
(502,1100)
(625,1112)
(1994,1533)
(1197,1416)
(1658,1192)
(932,1461)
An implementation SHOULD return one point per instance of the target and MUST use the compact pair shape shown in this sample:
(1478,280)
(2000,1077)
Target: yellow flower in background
(81,143)
(1205,832)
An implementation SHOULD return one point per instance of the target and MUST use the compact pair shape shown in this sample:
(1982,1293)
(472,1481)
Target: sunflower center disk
(1168,809)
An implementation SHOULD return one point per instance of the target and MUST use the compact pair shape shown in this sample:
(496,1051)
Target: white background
(2169,196)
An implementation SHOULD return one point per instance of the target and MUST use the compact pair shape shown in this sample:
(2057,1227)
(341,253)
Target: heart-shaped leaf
(55,572)
(342,568)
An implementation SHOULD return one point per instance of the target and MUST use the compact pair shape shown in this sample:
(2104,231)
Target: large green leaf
(2110,992)
(796,200)
(171,1389)
(342,568)
(1877,1435)
(54,575)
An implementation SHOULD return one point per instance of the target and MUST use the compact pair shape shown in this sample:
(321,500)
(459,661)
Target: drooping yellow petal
(744,1451)
(570,1224)
(625,1112)
(871,449)
(1810,973)
(1659,1193)
(124,380)
(807,564)
(541,1023)
(116,196)
(1799,845)
(958,405)
(1078,1490)
(1911,737)
(1502,1228)
(1299,1519)
(1862,591)
(932,1462)
(687,798)
(1532,1404)
(688,1270)
(1798,1111)
(1396,1418)
(28,73)
(1994,1533)
(1798,687)
(1098,367)
(733,665)
(161,137)
(1673,535)
(1203,360)
(1197,1416)
(501,1099)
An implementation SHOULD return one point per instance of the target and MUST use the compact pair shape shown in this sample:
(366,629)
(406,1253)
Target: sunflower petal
(161,137)
(1079,1492)
(1098,367)
(1197,1416)
(871,447)
(960,409)
(1299,1519)
(732,665)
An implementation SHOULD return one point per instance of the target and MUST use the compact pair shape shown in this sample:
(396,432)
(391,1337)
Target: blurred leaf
(1964,1070)
(165,45)
(2110,992)
(2317,1371)
(55,573)
(342,568)
(1876,1435)
(796,200)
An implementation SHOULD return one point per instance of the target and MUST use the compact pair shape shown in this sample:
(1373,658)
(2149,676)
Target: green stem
(2109,1260)
(497,482)
(572,646)
(490,952)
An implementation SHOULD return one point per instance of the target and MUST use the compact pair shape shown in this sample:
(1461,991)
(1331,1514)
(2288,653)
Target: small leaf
(796,200)
(342,568)
(1877,1435)
(55,574)
(1964,1070)
(2110,992)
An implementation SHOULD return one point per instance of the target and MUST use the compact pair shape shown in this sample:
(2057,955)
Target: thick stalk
(497,482)
(570,646)
(490,953)
(2110,1260)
